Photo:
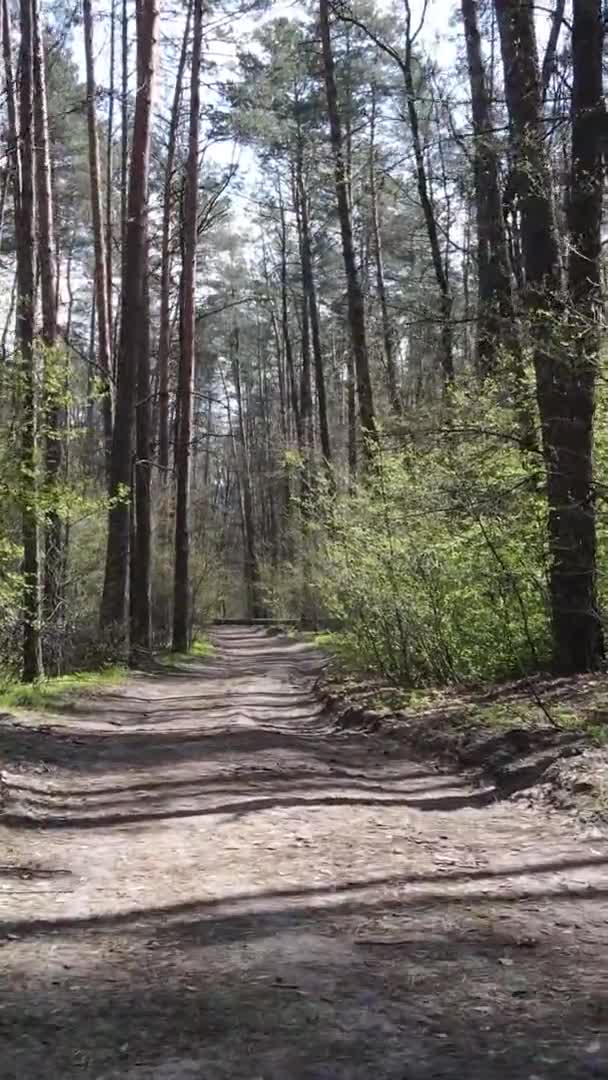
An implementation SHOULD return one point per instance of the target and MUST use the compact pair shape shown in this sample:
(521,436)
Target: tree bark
(564,382)
(14,153)
(551,48)
(104,355)
(579,643)
(286,331)
(124,130)
(388,343)
(53,389)
(25,244)
(428,209)
(140,579)
(183,450)
(306,414)
(356,305)
(351,410)
(306,417)
(496,308)
(310,292)
(109,238)
(114,600)
(251,570)
(164,335)
(141,561)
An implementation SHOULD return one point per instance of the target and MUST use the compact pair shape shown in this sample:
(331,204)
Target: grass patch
(200,649)
(48,693)
(578,705)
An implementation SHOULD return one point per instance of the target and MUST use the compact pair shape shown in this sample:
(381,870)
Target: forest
(302,318)
(304,540)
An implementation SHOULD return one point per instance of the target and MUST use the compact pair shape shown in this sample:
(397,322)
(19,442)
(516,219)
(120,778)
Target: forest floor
(202,877)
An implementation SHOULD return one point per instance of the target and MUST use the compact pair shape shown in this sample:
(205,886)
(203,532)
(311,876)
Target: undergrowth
(200,649)
(47,693)
(568,706)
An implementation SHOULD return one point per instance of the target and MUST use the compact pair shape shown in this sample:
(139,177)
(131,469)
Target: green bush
(435,568)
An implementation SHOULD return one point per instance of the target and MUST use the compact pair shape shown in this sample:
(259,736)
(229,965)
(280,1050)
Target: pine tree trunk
(25,248)
(356,306)
(114,600)
(183,450)
(14,153)
(306,416)
(124,132)
(251,571)
(109,237)
(557,19)
(577,624)
(496,309)
(310,292)
(104,355)
(164,335)
(141,562)
(387,328)
(428,209)
(565,380)
(351,413)
(287,343)
(53,563)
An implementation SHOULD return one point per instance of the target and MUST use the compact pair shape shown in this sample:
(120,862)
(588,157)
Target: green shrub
(434,569)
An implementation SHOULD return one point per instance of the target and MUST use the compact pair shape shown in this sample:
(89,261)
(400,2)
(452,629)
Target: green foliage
(50,694)
(434,570)
(341,646)
(200,649)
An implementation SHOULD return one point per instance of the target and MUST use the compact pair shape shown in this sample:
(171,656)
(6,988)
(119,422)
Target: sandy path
(201,879)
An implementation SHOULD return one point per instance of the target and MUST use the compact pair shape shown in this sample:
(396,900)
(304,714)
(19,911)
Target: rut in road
(202,878)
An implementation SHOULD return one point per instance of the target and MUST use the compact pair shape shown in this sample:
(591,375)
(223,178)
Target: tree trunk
(183,450)
(388,343)
(306,416)
(25,241)
(53,385)
(356,306)
(446,300)
(579,644)
(496,309)
(551,49)
(250,562)
(565,382)
(109,239)
(287,343)
(13,166)
(164,336)
(14,152)
(141,562)
(351,408)
(310,292)
(104,356)
(124,130)
(114,600)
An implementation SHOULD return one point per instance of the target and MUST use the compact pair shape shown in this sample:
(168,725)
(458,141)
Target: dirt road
(201,879)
